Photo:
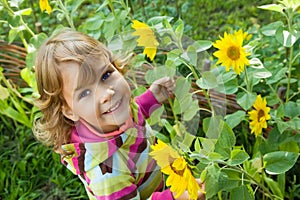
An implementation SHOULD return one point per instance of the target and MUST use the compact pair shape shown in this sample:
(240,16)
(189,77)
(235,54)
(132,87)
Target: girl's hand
(163,89)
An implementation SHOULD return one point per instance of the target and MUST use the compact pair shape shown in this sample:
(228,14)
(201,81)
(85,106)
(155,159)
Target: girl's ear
(68,113)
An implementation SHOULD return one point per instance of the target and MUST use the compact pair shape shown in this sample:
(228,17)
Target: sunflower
(231,52)
(44,5)
(146,38)
(180,177)
(259,115)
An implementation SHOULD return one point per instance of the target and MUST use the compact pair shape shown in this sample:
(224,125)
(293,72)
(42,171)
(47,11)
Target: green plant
(217,145)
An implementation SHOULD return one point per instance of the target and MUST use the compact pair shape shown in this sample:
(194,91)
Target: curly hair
(53,128)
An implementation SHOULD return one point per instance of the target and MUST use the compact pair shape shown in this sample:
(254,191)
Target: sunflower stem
(172,107)
(247,81)
(289,17)
(273,90)
(205,92)
(66,13)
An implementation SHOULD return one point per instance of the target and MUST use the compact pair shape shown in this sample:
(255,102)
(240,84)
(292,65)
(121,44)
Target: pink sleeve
(147,103)
(165,195)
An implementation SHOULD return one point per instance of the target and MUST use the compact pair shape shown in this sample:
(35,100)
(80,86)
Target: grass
(32,171)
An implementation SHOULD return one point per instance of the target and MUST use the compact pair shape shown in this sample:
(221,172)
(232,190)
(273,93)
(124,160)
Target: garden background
(221,149)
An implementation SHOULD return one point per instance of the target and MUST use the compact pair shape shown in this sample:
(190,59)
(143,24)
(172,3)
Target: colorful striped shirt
(118,167)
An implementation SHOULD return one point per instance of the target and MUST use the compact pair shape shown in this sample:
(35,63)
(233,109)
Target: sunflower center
(179,172)
(260,114)
(233,53)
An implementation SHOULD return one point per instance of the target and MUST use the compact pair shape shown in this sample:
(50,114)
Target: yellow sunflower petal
(44,5)
(163,154)
(146,38)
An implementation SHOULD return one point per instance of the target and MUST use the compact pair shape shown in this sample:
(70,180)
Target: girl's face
(104,104)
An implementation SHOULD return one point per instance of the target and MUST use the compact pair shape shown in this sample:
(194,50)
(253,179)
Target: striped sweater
(118,167)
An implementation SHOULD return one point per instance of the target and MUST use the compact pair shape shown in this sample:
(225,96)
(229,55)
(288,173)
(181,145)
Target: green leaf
(227,138)
(276,76)
(237,157)
(29,77)
(244,192)
(207,81)
(212,127)
(274,186)
(179,28)
(4,94)
(279,162)
(104,4)
(270,29)
(229,87)
(273,7)
(212,181)
(159,72)
(208,145)
(192,55)
(95,22)
(13,33)
(225,142)
(291,109)
(182,88)
(202,45)
(158,20)
(256,63)
(290,146)
(169,128)
(227,82)
(155,116)
(75,5)
(162,137)
(26,11)
(34,43)
(294,124)
(191,111)
(235,118)
(138,91)
(262,73)
(197,146)
(216,128)
(245,100)
(38,40)
(282,126)
(174,56)
(285,37)
(12,113)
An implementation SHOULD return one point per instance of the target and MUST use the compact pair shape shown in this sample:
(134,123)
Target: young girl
(87,118)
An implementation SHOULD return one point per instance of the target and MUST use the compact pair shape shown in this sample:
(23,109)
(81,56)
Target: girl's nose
(107,95)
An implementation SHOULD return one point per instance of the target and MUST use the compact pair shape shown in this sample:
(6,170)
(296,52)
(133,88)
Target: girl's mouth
(113,108)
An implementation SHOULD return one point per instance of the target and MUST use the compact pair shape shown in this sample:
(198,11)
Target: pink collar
(128,124)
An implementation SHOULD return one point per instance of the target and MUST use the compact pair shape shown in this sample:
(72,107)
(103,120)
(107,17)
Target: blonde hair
(53,128)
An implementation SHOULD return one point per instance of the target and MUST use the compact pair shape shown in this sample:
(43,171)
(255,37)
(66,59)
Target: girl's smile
(113,108)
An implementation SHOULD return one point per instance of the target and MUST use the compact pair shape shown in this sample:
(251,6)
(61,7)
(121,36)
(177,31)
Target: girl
(87,118)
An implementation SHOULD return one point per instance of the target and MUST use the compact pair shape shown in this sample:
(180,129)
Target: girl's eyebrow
(100,71)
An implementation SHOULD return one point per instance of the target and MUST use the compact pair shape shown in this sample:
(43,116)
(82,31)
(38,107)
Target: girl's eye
(84,94)
(106,75)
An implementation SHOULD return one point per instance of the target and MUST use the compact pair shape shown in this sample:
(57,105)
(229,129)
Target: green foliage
(218,145)
(31,172)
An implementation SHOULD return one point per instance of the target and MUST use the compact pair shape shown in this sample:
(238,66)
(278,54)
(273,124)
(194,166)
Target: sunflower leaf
(207,81)
(245,100)
(273,7)
(279,162)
